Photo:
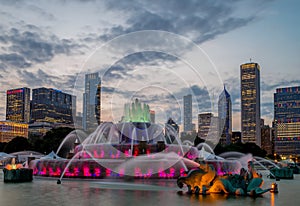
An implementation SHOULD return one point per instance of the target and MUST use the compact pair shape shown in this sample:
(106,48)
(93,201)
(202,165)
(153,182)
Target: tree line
(49,142)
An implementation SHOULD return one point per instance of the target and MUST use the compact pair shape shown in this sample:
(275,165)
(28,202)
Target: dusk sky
(53,43)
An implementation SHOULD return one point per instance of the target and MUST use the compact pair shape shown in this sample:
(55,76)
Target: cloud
(40,78)
(13,59)
(198,20)
(30,45)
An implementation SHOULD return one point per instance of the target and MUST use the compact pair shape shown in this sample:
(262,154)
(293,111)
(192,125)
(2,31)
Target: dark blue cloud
(30,45)
(200,20)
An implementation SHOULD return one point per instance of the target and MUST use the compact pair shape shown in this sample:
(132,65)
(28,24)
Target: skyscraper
(52,105)
(187,113)
(287,121)
(208,127)
(91,102)
(18,105)
(204,122)
(250,103)
(225,117)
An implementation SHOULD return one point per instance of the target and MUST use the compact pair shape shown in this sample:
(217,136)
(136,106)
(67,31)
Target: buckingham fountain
(135,148)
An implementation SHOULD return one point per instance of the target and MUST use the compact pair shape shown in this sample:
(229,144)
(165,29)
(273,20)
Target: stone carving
(204,180)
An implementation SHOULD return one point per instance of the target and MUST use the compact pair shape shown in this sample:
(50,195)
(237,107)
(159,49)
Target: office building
(91,102)
(10,130)
(52,105)
(187,113)
(225,117)
(208,128)
(18,105)
(250,103)
(287,121)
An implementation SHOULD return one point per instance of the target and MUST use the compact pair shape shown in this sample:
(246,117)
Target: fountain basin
(282,173)
(18,175)
(109,168)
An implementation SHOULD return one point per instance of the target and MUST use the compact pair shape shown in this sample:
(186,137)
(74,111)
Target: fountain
(138,149)
(132,148)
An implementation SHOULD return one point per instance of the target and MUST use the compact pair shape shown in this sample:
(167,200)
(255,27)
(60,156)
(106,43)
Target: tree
(245,148)
(198,140)
(52,139)
(2,145)
(17,144)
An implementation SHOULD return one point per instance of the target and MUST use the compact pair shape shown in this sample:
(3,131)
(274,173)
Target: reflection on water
(147,192)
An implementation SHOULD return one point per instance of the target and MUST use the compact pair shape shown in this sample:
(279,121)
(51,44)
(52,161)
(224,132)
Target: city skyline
(46,44)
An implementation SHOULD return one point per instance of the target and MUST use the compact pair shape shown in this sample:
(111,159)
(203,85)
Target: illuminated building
(39,129)
(187,113)
(287,121)
(91,102)
(207,125)
(18,105)
(266,137)
(225,117)
(236,137)
(10,130)
(250,103)
(52,105)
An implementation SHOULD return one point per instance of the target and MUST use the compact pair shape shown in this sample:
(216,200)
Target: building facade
(287,121)
(10,130)
(187,113)
(250,103)
(91,102)
(225,117)
(266,137)
(52,105)
(18,105)
(208,128)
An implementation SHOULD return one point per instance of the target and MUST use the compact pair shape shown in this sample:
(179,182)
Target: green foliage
(17,144)
(245,148)
(2,145)
(51,141)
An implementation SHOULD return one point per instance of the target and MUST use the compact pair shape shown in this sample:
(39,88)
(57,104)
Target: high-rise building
(266,138)
(236,137)
(225,117)
(91,102)
(187,113)
(208,127)
(287,121)
(250,103)
(10,130)
(52,105)
(18,105)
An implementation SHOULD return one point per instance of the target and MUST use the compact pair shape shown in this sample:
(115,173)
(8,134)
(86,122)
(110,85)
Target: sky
(157,51)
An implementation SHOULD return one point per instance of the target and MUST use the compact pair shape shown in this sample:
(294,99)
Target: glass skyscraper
(52,105)
(225,117)
(18,105)
(287,121)
(91,102)
(187,113)
(250,103)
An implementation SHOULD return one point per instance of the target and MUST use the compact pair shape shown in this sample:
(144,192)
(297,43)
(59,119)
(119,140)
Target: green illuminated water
(136,112)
